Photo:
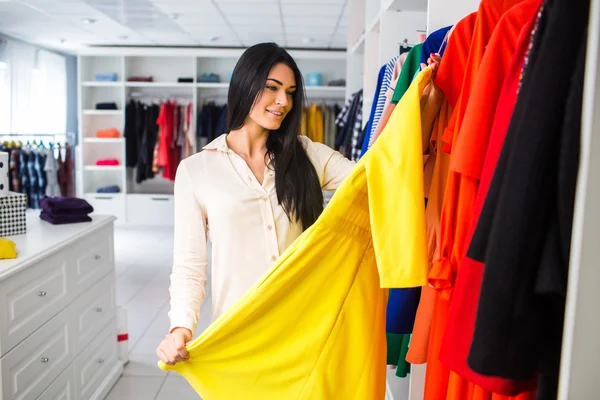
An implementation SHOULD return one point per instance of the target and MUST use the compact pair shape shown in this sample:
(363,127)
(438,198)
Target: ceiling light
(89,21)
(174,16)
(123,37)
(213,38)
(307,40)
(62,40)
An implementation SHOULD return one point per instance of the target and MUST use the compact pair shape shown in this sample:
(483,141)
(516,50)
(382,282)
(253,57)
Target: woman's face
(276,99)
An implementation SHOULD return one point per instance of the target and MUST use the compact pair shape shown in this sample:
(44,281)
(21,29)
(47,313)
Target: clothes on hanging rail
(318,123)
(157,137)
(34,171)
(350,129)
(212,121)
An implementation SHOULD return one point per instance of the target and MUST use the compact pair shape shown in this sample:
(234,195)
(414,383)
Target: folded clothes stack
(107,77)
(8,249)
(107,106)
(109,189)
(140,79)
(108,162)
(111,133)
(65,210)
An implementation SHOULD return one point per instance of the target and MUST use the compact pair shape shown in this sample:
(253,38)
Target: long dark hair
(296,181)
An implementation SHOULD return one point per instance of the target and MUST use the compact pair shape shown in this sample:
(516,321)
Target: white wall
(442,13)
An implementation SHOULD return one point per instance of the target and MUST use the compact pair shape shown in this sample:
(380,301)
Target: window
(33,91)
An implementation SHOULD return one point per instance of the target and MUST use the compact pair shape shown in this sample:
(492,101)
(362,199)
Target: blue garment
(402,310)
(433,43)
(107,77)
(365,144)
(388,74)
(109,189)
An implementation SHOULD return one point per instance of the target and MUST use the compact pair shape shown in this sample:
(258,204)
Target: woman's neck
(248,141)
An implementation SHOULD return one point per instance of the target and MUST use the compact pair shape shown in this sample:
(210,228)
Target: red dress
(461,321)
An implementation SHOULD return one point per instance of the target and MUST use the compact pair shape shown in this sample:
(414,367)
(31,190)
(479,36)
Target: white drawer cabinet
(93,260)
(30,368)
(58,335)
(145,209)
(94,311)
(31,298)
(95,362)
(63,388)
(108,204)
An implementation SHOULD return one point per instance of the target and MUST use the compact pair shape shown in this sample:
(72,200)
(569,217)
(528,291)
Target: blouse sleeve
(332,167)
(188,278)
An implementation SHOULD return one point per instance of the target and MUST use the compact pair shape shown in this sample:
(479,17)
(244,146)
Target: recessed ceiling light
(123,37)
(213,38)
(174,16)
(89,21)
(307,40)
(62,40)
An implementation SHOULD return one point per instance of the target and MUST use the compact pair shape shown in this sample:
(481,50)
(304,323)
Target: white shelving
(102,84)
(166,66)
(158,85)
(104,167)
(102,112)
(103,140)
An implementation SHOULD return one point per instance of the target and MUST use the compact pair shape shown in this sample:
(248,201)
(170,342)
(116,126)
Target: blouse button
(264,198)
(273,258)
(269,227)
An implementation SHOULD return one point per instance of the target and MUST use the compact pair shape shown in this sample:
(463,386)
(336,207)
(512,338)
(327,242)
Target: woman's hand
(172,349)
(434,62)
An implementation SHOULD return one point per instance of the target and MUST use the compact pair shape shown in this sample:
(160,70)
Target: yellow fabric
(314,327)
(315,123)
(8,249)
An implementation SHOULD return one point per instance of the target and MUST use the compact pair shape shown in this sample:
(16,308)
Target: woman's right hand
(172,349)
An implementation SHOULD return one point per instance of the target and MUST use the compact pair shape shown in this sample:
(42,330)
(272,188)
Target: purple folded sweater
(59,206)
(64,218)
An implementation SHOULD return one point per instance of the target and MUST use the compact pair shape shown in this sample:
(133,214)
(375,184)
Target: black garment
(185,80)
(106,106)
(523,234)
(346,127)
(212,121)
(40,163)
(147,137)
(131,136)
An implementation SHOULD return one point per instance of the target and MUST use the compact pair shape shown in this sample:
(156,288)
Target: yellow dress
(314,327)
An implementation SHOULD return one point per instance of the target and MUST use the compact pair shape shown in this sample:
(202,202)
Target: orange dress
(457,210)
(449,79)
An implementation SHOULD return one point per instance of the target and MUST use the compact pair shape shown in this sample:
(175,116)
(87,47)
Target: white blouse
(218,198)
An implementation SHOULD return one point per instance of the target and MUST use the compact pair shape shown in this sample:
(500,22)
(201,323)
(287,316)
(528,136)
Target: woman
(252,192)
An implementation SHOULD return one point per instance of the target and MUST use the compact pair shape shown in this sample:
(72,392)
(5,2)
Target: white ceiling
(223,23)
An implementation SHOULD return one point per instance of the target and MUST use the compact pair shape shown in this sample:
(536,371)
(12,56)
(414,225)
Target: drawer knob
(45,360)
(99,309)
(97,257)
(100,361)
(42,294)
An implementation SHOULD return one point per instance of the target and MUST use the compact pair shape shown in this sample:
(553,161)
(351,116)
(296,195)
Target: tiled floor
(143,264)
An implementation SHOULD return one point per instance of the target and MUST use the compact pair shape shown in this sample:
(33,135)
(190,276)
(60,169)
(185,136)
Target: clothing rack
(68,138)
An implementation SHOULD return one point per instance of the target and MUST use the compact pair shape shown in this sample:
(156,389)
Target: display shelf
(102,84)
(103,141)
(103,168)
(154,196)
(211,85)
(102,112)
(158,85)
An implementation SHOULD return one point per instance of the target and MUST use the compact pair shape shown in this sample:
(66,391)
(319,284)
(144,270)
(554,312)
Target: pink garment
(389,107)
(108,162)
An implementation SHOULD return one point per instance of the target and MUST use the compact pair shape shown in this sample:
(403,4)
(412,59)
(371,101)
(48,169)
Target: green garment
(396,353)
(411,67)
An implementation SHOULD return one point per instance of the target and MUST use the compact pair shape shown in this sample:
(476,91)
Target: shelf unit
(151,202)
